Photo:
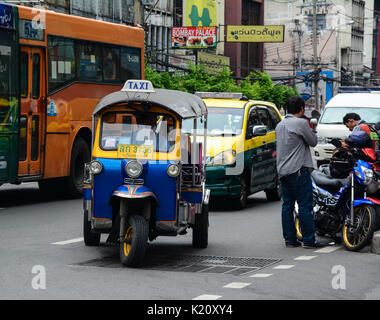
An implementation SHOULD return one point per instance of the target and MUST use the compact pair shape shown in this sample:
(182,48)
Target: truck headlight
(224,158)
(322,140)
(133,169)
(96,167)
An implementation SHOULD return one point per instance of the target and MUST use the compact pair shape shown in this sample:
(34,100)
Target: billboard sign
(255,33)
(193,37)
(200,13)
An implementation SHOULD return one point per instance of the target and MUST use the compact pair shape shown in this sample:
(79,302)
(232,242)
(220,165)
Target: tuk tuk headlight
(173,170)
(225,158)
(96,167)
(133,169)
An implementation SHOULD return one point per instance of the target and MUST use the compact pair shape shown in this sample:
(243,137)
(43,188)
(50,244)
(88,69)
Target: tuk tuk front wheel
(134,241)
(200,229)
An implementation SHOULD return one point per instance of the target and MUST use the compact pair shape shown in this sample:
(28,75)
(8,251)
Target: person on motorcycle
(363,135)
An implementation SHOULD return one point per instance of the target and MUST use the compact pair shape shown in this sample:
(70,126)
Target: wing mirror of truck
(314,121)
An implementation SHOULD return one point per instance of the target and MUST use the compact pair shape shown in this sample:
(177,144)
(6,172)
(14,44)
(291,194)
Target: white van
(330,124)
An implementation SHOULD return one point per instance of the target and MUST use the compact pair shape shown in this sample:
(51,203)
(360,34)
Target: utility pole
(299,31)
(315,56)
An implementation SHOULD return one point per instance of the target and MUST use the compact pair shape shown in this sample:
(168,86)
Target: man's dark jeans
(298,187)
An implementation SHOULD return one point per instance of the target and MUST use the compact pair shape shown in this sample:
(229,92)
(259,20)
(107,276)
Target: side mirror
(259,130)
(314,121)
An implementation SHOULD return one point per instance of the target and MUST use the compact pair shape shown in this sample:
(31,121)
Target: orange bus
(61,66)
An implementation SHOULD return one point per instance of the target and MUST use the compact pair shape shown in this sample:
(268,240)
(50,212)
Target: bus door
(32,119)
(9,93)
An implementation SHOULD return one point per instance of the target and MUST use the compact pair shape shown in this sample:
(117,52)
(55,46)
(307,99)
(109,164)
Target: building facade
(344,43)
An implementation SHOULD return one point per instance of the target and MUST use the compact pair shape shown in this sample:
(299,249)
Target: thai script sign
(6,16)
(213,63)
(194,37)
(255,33)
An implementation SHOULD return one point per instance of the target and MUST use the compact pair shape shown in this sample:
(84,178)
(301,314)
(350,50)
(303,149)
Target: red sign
(194,37)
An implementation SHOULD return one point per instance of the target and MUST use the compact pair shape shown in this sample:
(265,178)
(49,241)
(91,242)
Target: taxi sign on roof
(220,95)
(138,86)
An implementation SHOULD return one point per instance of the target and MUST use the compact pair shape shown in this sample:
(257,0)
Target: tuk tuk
(146,177)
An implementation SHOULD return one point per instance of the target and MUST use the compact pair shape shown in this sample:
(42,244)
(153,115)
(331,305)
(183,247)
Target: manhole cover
(191,263)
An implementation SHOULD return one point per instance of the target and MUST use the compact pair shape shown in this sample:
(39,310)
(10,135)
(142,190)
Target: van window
(334,115)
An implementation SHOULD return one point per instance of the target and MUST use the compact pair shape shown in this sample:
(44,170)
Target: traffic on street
(246,259)
(158,152)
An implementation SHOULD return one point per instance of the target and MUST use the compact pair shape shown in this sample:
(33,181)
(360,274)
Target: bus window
(130,63)
(24,74)
(89,66)
(61,61)
(36,76)
(110,63)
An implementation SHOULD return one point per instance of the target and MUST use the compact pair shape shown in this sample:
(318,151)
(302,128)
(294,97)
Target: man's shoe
(293,244)
(315,245)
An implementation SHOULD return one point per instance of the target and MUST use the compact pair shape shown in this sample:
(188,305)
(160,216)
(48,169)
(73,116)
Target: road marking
(261,275)
(207,297)
(283,267)
(328,249)
(237,285)
(305,258)
(62,243)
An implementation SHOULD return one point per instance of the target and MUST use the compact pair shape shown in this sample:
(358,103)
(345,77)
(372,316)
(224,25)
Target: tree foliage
(257,86)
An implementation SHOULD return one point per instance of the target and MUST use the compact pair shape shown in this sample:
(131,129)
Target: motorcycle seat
(327,182)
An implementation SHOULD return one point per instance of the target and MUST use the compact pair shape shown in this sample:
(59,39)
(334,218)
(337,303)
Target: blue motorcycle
(341,208)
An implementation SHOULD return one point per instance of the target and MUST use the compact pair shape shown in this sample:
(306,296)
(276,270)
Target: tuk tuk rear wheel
(134,241)
(200,229)
(90,238)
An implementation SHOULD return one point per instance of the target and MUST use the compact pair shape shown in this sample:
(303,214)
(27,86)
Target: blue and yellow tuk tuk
(146,177)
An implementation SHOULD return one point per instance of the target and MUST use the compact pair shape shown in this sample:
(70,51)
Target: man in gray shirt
(294,163)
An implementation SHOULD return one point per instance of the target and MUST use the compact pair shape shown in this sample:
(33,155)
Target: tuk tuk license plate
(135,151)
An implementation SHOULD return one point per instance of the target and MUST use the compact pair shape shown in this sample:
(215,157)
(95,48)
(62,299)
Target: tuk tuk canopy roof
(183,104)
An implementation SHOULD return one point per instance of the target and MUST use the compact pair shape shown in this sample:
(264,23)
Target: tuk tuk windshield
(137,128)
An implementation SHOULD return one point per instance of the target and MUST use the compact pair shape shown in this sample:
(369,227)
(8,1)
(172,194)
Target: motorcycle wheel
(133,246)
(356,237)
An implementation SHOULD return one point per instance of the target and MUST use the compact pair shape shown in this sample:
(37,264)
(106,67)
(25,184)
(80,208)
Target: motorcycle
(341,205)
